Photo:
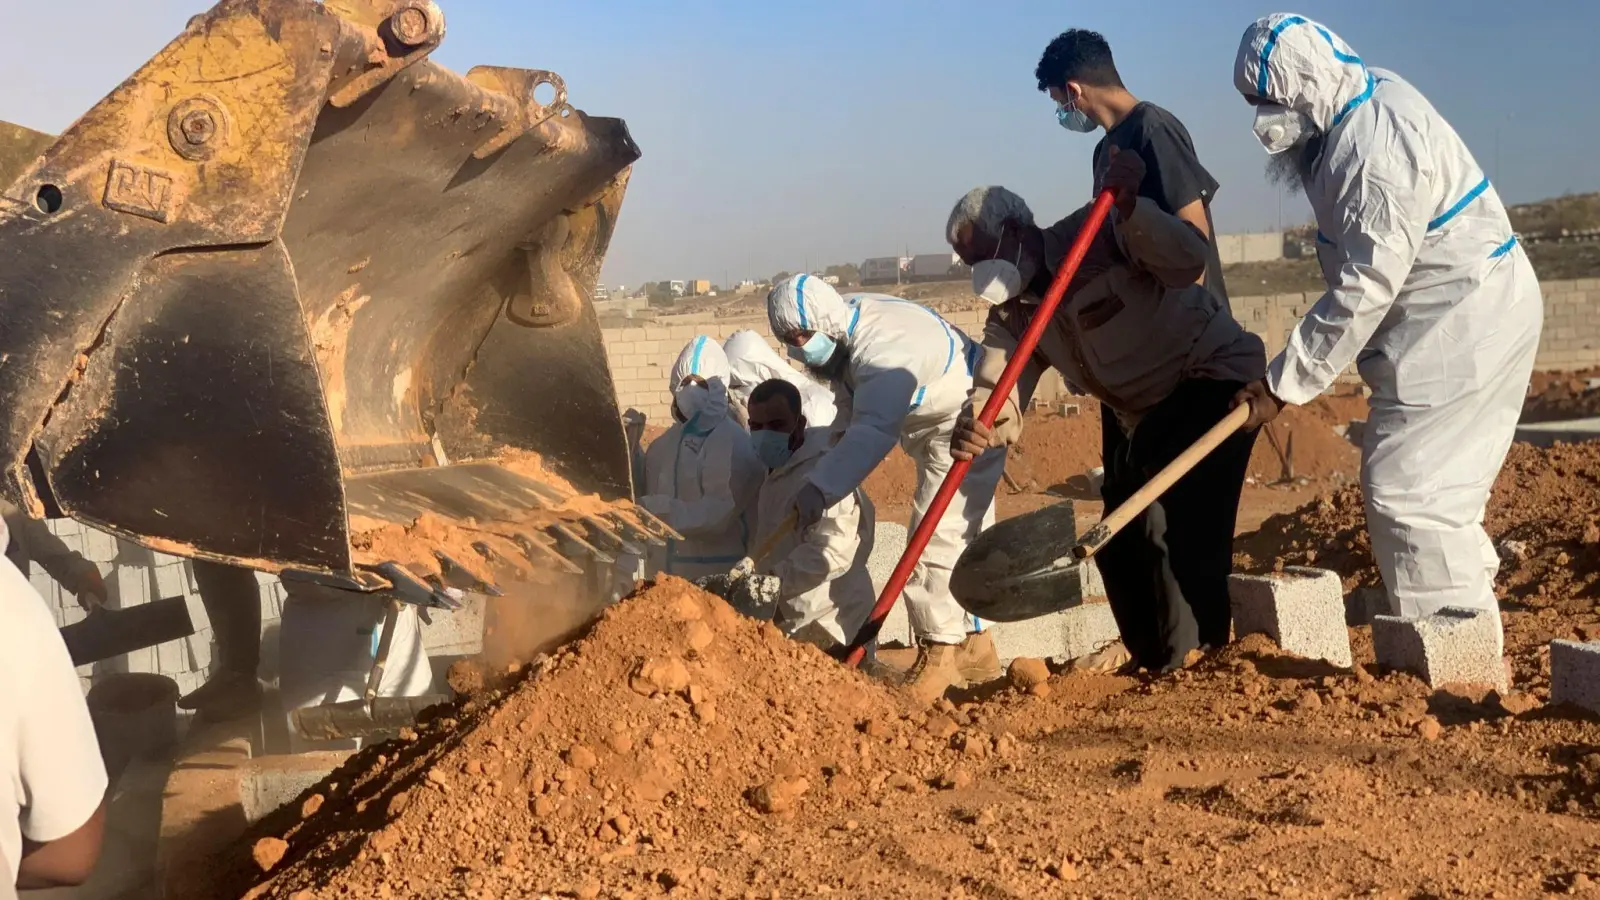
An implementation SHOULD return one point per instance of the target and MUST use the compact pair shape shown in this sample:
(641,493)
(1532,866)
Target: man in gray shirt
(1161,353)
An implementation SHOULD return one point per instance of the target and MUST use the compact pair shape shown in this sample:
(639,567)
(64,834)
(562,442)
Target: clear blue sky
(777,134)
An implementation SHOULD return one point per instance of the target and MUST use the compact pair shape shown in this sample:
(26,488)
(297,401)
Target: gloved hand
(809,505)
(754,595)
(1124,173)
(659,505)
(633,422)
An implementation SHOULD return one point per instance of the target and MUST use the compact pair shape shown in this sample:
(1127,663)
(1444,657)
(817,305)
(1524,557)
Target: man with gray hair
(1161,353)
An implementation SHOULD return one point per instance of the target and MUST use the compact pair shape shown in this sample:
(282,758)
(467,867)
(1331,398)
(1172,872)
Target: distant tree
(780,276)
(847,273)
(659,293)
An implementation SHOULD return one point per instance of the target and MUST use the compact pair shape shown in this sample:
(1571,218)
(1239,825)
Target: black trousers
(1166,573)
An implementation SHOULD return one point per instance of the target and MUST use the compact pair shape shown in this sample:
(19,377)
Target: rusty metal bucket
(291,271)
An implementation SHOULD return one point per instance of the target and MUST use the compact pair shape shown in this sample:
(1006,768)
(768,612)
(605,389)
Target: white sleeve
(825,552)
(877,409)
(731,476)
(59,769)
(1384,216)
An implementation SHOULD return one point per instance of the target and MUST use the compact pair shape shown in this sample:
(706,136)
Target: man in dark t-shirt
(1077,71)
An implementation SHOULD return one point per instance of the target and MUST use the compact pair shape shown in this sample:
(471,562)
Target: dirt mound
(679,750)
(650,750)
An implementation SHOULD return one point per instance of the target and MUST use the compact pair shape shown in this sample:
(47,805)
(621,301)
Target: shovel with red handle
(997,400)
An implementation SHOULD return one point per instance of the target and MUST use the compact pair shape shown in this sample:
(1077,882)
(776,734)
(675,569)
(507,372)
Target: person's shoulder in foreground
(52,779)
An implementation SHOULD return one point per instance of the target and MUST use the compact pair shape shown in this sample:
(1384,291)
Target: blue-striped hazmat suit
(1429,294)
(702,475)
(907,377)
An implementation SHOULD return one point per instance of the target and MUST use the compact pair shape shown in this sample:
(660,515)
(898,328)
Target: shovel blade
(352,719)
(1021,568)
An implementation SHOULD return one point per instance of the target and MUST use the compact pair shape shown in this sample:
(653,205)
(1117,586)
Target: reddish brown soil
(1544,515)
(1561,395)
(681,750)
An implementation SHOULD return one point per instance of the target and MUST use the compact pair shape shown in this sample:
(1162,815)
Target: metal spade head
(1021,568)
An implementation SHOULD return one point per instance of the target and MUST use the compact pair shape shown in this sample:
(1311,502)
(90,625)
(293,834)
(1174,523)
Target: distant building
(882,270)
(677,287)
(696,288)
(830,279)
(1234,249)
(934,267)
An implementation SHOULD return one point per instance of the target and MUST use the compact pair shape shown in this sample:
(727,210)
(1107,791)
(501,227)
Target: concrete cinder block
(1452,646)
(99,547)
(1302,609)
(131,587)
(458,633)
(199,645)
(1575,674)
(173,657)
(170,580)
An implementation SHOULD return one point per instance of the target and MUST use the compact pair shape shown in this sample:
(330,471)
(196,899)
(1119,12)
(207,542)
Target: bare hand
(1123,175)
(91,590)
(1264,407)
(970,439)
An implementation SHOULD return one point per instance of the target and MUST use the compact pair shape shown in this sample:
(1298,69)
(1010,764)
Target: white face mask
(691,399)
(996,280)
(1278,127)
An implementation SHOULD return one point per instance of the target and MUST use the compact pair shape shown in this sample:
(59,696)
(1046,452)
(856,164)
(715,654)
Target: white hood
(807,303)
(1292,60)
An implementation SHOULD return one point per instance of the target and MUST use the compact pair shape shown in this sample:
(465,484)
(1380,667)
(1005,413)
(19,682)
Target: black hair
(1077,55)
(777,387)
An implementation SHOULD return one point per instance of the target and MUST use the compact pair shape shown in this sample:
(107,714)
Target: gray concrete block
(1452,646)
(99,546)
(200,649)
(170,580)
(1060,636)
(1302,609)
(63,528)
(458,633)
(130,588)
(173,657)
(888,542)
(1575,674)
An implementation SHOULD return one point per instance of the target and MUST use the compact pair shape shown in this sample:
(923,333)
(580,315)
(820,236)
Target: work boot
(1113,657)
(935,671)
(225,695)
(976,660)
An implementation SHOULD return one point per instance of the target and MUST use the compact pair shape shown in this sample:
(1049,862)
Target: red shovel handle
(997,401)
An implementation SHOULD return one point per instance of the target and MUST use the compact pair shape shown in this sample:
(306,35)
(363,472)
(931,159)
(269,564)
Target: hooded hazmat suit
(906,379)
(1429,295)
(751,361)
(702,475)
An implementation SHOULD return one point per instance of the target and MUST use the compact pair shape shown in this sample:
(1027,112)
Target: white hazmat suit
(702,475)
(751,360)
(907,377)
(1429,295)
(826,591)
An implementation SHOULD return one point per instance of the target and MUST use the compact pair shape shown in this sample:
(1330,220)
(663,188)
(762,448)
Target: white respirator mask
(996,280)
(1278,127)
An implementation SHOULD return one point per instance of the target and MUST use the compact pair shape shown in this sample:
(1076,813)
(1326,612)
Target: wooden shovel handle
(784,527)
(1099,535)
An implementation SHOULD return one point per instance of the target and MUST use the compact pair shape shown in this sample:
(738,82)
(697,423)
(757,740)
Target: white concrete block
(170,580)
(173,657)
(142,660)
(71,614)
(458,633)
(1060,636)
(99,546)
(199,645)
(130,588)
(1575,674)
(63,528)
(1302,609)
(1452,646)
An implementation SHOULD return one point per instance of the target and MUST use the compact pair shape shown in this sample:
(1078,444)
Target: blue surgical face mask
(815,352)
(772,447)
(1074,120)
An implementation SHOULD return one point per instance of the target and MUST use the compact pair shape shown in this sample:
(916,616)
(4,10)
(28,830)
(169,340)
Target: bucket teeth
(635,531)
(608,535)
(571,544)
(539,552)
(654,524)
(409,589)
(466,577)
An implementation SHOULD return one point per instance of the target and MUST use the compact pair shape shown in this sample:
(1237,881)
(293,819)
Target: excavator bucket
(292,283)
